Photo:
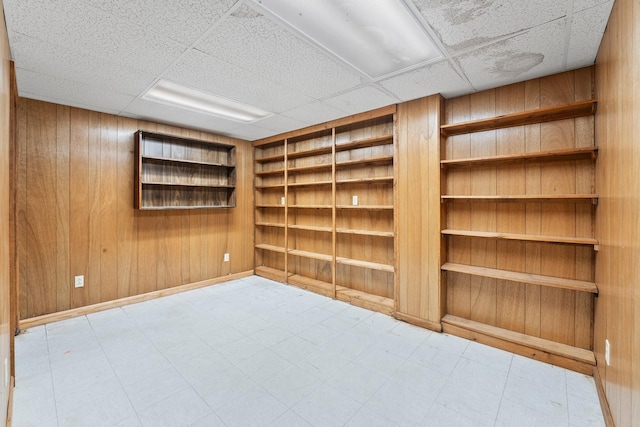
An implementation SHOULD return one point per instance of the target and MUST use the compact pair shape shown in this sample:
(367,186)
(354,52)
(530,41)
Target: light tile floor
(253,352)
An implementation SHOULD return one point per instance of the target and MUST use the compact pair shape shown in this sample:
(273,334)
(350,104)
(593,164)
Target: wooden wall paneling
(41,206)
(459,217)
(77,196)
(242,217)
(533,212)
(511,217)
(127,222)
(63,290)
(91,291)
(634,209)
(21,208)
(13,177)
(558,319)
(483,216)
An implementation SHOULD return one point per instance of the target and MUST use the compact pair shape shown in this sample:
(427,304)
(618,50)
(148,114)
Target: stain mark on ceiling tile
(513,64)
(246,12)
(458,13)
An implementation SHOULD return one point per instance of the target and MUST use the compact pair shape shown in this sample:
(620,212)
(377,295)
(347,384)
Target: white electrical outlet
(7,374)
(226,258)
(607,352)
(282,201)
(79,282)
(354,200)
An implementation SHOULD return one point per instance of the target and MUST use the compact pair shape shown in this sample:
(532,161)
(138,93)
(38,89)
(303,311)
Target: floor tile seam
(122,387)
(53,387)
(504,389)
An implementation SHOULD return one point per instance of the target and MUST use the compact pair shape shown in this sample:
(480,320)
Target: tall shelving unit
(558,187)
(325,209)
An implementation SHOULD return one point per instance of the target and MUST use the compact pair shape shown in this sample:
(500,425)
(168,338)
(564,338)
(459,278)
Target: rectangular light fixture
(376,37)
(191,99)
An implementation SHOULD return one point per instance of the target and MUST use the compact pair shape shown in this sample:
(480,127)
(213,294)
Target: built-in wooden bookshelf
(325,209)
(180,173)
(512,209)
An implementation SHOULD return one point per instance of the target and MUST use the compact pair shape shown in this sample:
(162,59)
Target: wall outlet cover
(79,281)
(226,258)
(607,352)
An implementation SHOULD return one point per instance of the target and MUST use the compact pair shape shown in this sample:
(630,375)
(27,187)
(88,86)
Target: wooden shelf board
(312,255)
(309,184)
(311,168)
(309,153)
(523,237)
(569,198)
(315,285)
(567,351)
(536,279)
(366,300)
(581,153)
(191,162)
(365,264)
(310,228)
(310,206)
(270,224)
(541,115)
(269,206)
(272,172)
(271,248)
(168,208)
(367,207)
(365,232)
(270,273)
(267,187)
(381,160)
(267,159)
(374,180)
(175,184)
(367,142)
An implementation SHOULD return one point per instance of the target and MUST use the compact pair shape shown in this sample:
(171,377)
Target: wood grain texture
(418,210)
(617,316)
(75,177)
(5,285)
(522,228)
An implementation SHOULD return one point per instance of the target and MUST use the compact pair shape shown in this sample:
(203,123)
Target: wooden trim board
(602,396)
(423,323)
(12,386)
(94,308)
(565,356)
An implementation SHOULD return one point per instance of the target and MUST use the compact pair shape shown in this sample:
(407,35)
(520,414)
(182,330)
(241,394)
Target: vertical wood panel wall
(418,298)
(559,315)
(76,216)
(617,315)
(5,330)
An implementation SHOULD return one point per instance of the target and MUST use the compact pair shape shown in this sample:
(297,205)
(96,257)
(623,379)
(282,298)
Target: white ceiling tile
(254,42)
(440,77)
(466,24)
(184,21)
(67,92)
(57,61)
(587,29)
(198,70)
(536,53)
(361,99)
(580,5)
(251,132)
(279,123)
(315,112)
(79,26)
(147,110)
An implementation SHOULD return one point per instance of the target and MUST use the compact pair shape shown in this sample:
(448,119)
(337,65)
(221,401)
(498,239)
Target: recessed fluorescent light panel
(377,37)
(184,97)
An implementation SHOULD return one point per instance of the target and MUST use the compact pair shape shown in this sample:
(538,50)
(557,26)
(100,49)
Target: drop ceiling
(104,55)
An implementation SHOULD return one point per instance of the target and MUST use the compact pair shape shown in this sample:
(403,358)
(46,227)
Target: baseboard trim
(12,385)
(604,403)
(93,308)
(423,323)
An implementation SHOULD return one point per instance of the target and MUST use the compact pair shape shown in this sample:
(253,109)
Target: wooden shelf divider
(580,153)
(513,276)
(523,237)
(540,115)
